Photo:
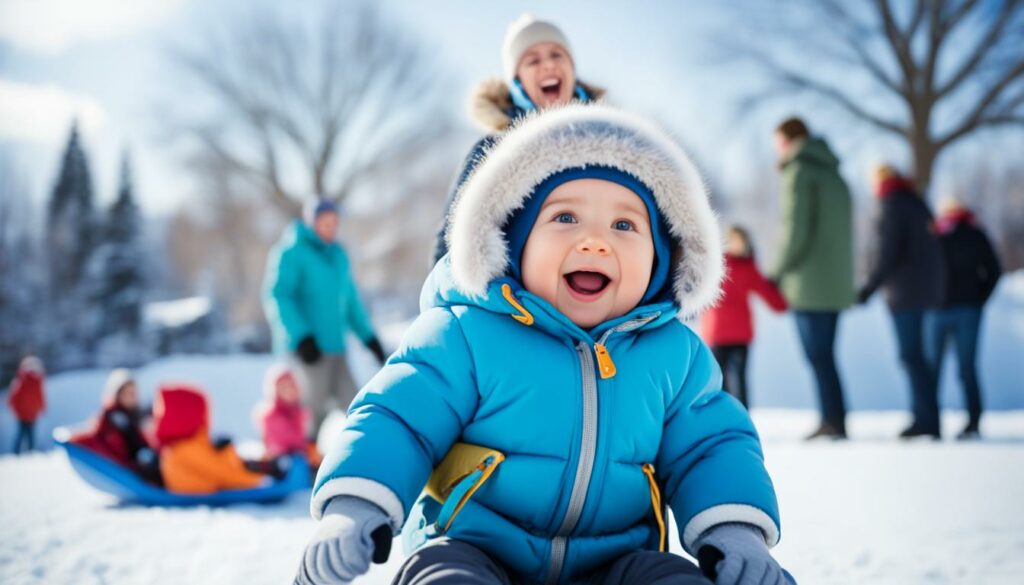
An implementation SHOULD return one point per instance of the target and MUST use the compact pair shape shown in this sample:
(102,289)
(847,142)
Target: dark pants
(962,324)
(910,337)
(451,562)
(818,335)
(732,359)
(25,435)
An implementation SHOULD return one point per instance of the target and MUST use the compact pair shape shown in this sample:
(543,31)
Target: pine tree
(116,277)
(124,275)
(70,227)
(71,323)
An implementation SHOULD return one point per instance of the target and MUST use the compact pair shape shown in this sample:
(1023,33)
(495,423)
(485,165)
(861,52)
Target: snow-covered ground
(866,511)
(870,510)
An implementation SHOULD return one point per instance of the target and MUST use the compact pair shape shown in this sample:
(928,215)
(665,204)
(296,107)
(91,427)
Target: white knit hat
(118,378)
(523,33)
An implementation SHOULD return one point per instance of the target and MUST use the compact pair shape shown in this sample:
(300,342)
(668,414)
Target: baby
(548,404)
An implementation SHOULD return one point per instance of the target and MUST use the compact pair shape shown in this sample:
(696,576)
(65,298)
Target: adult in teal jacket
(311,302)
(502,426)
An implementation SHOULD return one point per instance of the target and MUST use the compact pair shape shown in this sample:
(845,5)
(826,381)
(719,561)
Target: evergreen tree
(123,274)
(70,224)
(116,277)
(71,323)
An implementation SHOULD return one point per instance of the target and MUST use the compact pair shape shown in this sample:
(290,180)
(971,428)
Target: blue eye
(623,225)
(565,217)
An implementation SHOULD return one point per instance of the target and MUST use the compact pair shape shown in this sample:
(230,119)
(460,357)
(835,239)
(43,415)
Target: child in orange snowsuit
(189,461)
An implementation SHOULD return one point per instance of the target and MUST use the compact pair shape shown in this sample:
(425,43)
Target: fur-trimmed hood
(577,136)
(490,104)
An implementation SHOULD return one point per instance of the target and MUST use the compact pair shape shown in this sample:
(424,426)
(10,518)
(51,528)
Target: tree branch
(983,48)
(801,81)
(981,114)
(853,38)
(899,43)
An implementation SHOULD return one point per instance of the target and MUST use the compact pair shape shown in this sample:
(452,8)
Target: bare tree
(954,67)
(312,106)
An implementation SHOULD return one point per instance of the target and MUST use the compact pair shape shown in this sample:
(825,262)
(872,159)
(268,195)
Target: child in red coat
(728,327)
(27,400)
(117,432)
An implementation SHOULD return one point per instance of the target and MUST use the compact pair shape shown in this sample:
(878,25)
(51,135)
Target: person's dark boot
(915,430)
(971,432)
(826,431)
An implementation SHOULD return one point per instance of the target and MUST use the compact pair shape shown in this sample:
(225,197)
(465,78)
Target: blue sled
(116,480)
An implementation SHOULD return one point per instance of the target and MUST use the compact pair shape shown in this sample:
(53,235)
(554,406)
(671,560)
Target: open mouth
(586,285)
(551,88)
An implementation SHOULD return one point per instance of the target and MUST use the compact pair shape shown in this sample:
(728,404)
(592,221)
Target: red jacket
(26,399)
(730,322)
(116,434)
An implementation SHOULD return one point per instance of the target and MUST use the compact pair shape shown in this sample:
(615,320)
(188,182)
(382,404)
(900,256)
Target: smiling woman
(539,73)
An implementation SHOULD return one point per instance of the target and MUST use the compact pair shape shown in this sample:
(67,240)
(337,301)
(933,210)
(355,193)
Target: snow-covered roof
(177,312)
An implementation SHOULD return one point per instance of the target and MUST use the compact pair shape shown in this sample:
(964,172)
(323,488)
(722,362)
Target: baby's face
(590,252)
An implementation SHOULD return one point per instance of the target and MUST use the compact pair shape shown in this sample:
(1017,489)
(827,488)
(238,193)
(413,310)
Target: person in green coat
(814,268)
(311,302)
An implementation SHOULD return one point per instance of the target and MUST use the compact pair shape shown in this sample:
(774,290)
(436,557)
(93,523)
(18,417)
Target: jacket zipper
(588,442)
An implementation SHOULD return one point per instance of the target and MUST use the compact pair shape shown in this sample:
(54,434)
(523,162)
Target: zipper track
(588,448)
(584,466)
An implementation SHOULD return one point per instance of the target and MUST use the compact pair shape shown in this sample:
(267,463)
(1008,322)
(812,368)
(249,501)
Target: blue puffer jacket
(572,492)
(308,289)
(502,423)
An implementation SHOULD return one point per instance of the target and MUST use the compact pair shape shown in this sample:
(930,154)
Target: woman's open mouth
(551,88)
(585,285)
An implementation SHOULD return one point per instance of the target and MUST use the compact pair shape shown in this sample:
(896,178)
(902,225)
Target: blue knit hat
(520,223)
(315,206)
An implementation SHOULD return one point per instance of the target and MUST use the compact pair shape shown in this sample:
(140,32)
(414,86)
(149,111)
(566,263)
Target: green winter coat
(308,290)
(815,263)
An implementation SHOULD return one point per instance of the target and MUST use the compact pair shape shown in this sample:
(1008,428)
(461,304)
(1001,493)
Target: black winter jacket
(972,267)
(909,265)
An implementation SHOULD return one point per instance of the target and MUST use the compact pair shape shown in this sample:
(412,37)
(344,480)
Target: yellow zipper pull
(605,365)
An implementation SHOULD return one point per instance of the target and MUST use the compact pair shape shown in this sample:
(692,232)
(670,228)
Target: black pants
(453,562)
(733,361)
(25,436)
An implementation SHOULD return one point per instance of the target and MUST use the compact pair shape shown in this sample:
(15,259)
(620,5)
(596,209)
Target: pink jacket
(283,427)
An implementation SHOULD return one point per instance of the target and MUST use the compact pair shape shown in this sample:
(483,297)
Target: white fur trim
(360,487)
(724,513)
(575,136)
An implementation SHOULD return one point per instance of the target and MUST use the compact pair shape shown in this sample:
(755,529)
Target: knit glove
(736,554)
(351,533)
(309,352)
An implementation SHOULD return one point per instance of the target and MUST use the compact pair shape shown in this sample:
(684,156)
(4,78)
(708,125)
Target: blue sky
(104,61)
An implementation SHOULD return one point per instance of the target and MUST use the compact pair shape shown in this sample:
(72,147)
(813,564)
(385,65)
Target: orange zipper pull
(605,365)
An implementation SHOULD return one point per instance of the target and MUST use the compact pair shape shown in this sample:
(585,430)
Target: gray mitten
(736,554)
(345,541)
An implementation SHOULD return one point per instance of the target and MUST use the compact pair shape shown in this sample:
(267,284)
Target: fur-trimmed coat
(491,109)
(552,448)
